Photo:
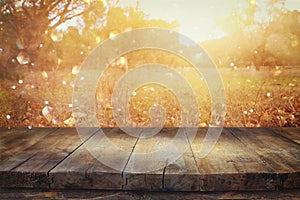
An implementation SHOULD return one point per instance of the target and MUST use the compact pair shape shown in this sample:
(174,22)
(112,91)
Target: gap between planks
(84,140)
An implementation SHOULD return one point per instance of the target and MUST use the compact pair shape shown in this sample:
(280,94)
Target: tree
(283,37)
(26,26)
(79,42)
(61,33)
(258,35)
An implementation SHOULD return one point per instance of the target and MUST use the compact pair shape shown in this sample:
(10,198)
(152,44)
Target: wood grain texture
(278,152)
(243,159)
(289,132)
(183,174)
(229,166)
(85,168)
(14,141)
(145,168)
(30,168)
(24,194)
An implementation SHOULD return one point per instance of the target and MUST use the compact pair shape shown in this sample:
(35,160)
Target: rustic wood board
(243,159)
(289,132)
(30,168)
(83,170)
(280,153)
(230,167)
(145,168)
(183,174)
(22,194)
(14,141)
(9,138)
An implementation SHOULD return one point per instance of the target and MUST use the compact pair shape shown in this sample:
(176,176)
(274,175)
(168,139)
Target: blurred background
(254,43)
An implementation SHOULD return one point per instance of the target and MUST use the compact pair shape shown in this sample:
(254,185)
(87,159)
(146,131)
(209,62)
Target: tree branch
(53,5)
(66,15)
(26,12)
(60,14)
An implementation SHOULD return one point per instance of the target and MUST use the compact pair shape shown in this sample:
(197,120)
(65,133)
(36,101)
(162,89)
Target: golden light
(123,61)
(75,70)
(98,39)
(128,29)
(112,35)
(252,2)
(277,73)
(70,121)
(47,113)
(44,75)
(56,36)
(294,43)
(23,58)
(104,3)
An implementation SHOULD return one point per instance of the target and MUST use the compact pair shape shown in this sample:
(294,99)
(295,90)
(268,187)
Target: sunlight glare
(47,112)
(98,39)
(252,2)
(123,61)
(112,35)
(75,70)
(20,44)
(44,75)
(56,36)
(277,73)
(23,59)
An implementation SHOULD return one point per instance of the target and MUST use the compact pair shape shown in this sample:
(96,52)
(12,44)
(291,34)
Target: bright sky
(197,18)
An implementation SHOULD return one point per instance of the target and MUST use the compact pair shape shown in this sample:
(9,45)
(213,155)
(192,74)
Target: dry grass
(254,99)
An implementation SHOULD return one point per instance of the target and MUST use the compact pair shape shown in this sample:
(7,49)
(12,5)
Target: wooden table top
(243,159)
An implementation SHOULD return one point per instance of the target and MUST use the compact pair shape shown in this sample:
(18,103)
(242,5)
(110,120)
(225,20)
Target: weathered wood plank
(243,159)
(84,168)
(5,132)
(183,174)
(280,153)
(290,180)
(8,136)
(150,158)
(21,194)
(229,167)
(289,132)
(14,141)
(145,167)
(30,168)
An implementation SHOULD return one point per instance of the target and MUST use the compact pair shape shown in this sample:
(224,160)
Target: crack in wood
(244,159)
(163,178)
(123,171)
(69,154)
(193,154)
(21,163)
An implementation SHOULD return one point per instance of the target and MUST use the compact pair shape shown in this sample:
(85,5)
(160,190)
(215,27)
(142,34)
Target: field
(266,98)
